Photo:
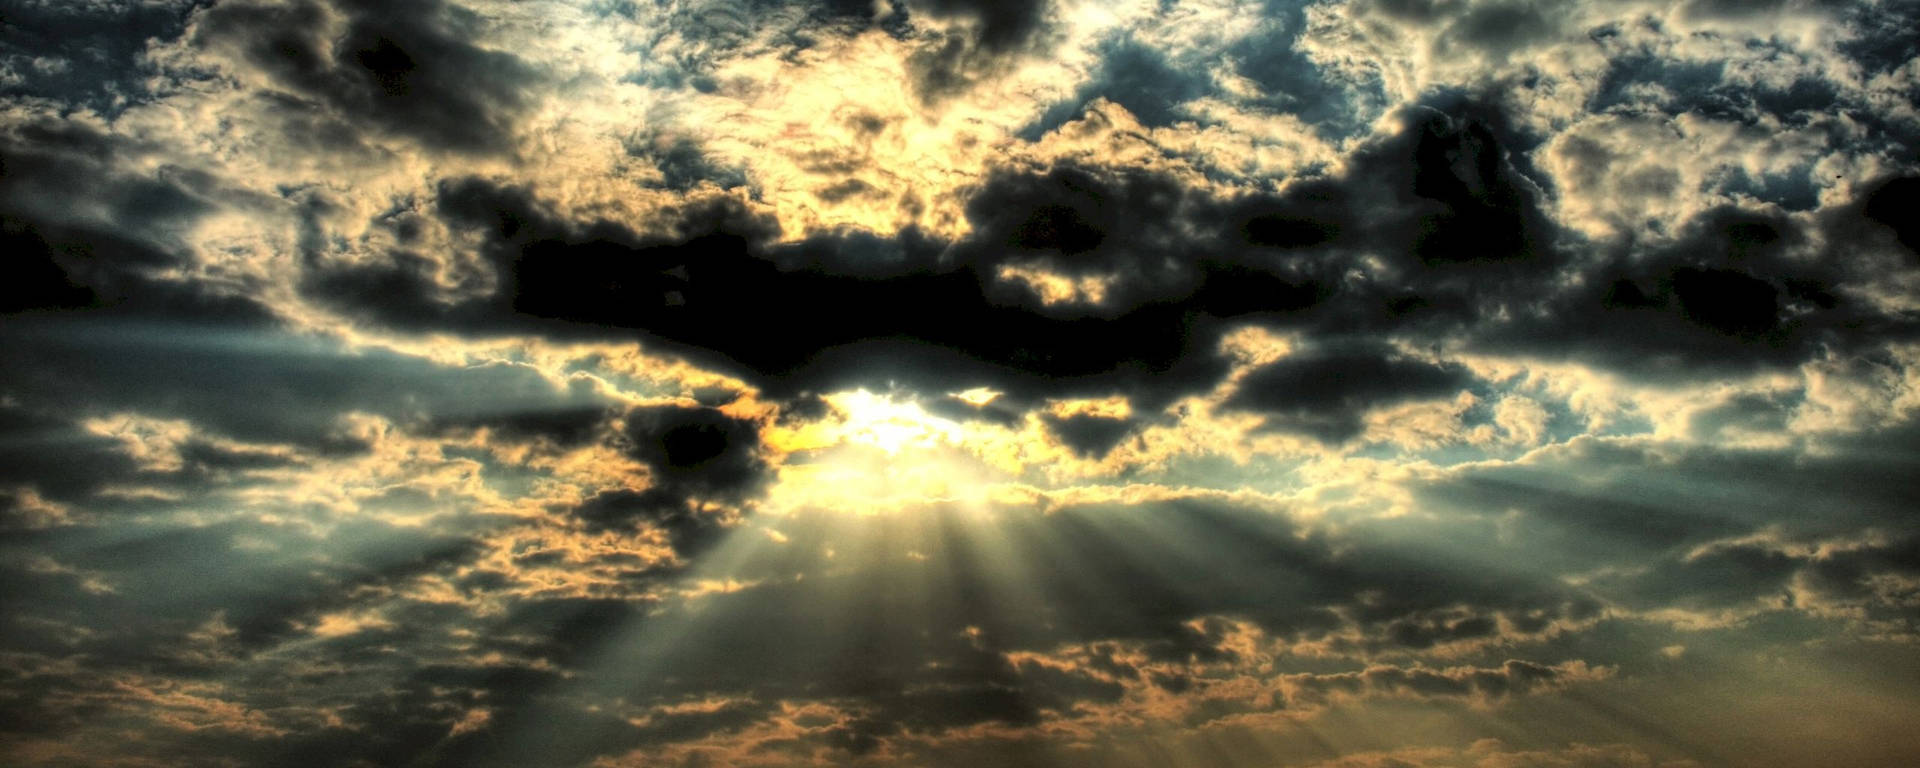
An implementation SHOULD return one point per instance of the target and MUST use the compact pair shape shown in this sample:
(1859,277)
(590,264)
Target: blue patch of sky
(1293,84)
(684,165)
(1884,36)
(1641,81)
(1262,473)
(1153,86)
(1793,191)
(83,54)
(1694,84)
(1134,76)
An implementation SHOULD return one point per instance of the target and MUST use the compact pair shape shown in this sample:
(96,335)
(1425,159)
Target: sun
(891,425)
(876,454)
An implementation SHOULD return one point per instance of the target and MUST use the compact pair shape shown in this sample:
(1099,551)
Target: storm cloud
(937,382)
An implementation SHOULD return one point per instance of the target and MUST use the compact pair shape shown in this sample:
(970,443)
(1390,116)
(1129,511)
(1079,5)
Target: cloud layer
(934,382)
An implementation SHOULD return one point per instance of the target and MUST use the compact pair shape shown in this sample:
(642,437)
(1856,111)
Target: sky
(1172,383)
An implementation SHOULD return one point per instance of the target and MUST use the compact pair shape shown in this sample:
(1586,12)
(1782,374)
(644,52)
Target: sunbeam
(939,383)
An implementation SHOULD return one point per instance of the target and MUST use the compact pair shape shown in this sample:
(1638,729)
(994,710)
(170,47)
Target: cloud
(1325,391)
(409,68)
(697,460)
(1089,435)
(87,53)
(955,383)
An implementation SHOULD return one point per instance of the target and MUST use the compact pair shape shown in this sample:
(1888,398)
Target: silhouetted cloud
(939,382)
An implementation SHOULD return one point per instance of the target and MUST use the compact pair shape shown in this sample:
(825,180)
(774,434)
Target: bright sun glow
(976,397)
(889,425)
(882,455)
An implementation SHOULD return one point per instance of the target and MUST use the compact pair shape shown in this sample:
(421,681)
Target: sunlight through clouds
(1319,383)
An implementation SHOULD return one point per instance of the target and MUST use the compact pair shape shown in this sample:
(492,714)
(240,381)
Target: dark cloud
(336,553)
(85,53)
(1699,545)
(694,457)
(1730,293)
(1325,392)
(38,281)
(1089,436)
(252,384)
(410,68)
(955,320)
(1486,209)
(700,450)
(70,267)
(1448,203)
(104,245)
(139,598)
(1452,190)
(1086,222)
(712,296)
(1891,204)
(997,25)
(1501,28)
(566,428)
(46,451)
(1723,300)
(1871,579)
(1720,577)
(982,39)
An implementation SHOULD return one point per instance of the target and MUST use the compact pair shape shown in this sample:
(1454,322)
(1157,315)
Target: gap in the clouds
(1793,190)
(684,165)
(1632,80)
(1259,473)
(1639,83)
(1883,39)
(82,53)
(1138,78)
(1337,108)
(1156,85)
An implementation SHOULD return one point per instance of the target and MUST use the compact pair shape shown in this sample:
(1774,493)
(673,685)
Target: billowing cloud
(937,382)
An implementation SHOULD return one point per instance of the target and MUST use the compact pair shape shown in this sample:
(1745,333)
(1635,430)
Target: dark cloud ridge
(1448,203)
(408,67)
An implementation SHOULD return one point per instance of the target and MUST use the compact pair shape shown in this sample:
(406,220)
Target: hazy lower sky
(1153,383)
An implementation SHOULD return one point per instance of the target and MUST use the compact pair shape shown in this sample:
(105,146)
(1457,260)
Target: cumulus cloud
(939,382)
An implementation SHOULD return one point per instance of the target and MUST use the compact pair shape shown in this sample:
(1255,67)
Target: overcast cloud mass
(1191,383)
